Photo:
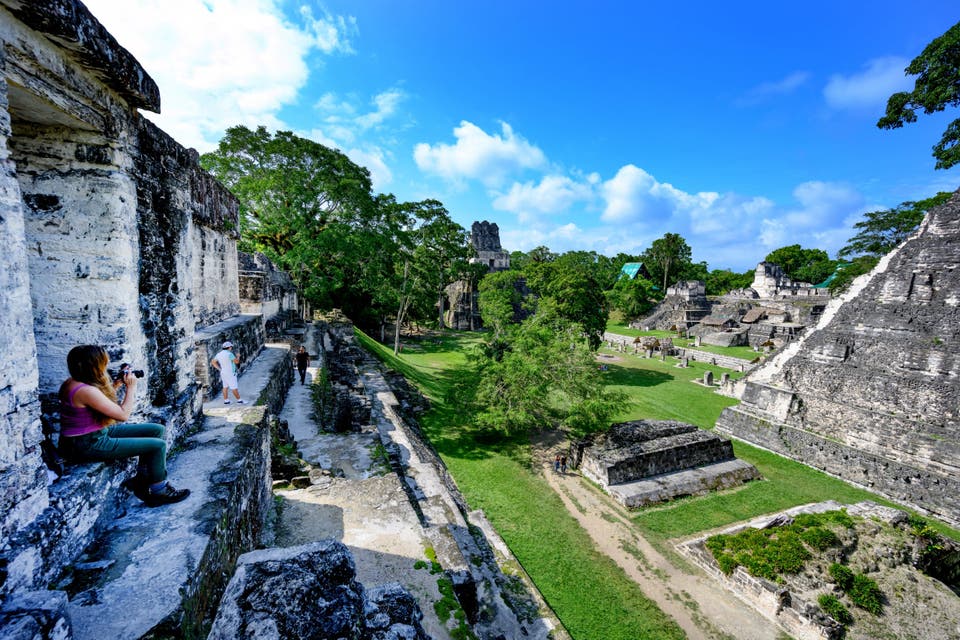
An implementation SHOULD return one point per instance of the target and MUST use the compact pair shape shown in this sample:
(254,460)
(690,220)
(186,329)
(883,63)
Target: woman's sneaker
(138,486)
(167,495)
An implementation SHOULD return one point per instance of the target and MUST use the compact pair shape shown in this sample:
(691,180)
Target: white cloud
(344,121)
(870,88)
(219,63)
(784,86)
(633,196)
(479,155)
(554,194)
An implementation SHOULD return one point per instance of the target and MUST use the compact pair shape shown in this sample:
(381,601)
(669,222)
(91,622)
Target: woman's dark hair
(88,363)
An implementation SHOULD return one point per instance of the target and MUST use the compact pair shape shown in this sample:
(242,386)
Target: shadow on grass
(631,376)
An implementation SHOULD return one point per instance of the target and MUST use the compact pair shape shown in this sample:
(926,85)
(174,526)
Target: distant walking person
(563,464)
(226,363)
(556,463)
(303,359)
(93,425)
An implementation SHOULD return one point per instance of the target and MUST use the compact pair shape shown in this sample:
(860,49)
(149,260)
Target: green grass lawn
(747,353)
(494,473)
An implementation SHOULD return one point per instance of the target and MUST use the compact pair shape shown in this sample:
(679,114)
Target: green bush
(820,538)
(843,575)
(865,593)
(834,608)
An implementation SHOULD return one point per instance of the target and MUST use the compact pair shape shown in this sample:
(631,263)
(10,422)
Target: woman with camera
(92,427)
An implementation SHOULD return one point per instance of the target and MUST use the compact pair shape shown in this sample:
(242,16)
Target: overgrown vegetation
(832,606)
(777,551)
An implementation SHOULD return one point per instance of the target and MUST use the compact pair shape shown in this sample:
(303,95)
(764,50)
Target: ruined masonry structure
(871,394)
(644,462)
(463,311)
(111,235)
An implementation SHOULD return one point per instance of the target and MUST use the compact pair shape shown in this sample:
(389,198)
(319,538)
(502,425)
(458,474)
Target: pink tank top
(77,421)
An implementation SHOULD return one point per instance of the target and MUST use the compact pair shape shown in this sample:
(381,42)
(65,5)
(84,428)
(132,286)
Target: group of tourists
(560,464)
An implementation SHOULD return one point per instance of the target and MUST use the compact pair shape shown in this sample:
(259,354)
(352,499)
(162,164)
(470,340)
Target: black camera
(124,368)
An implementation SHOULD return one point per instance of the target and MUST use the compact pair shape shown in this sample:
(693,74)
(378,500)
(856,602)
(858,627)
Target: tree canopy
(666,258)
(937,87)
(880,231)
(803,265)
(312,211)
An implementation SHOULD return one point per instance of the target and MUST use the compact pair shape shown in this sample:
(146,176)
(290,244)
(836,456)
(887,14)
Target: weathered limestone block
(871,394)
(264,289)
(101,217)
(35,614)
(644,448)
(23,494)
(311,591)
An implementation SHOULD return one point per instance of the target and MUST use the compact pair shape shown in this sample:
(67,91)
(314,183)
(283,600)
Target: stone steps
(691,482)
(163,569)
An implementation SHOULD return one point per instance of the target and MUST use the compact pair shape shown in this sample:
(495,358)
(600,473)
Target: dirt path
(703,609)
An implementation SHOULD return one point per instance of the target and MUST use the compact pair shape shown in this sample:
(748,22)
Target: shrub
(819,538)
(834,608)
(727,563)
(843,575)
(865,593)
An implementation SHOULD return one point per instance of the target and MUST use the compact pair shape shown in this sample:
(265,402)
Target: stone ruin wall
(871,394)
(112,234)
(267,291)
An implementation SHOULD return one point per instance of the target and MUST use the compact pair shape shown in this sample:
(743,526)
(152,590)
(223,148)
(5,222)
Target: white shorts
(229,380)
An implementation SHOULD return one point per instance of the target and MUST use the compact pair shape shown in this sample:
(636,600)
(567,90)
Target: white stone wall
(81,236)
(214,276)
(23,488)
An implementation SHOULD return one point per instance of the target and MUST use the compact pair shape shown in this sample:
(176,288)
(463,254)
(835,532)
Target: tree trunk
(440,308)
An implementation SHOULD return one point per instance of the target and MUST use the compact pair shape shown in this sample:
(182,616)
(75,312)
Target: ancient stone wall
(23,480)
(264,289)
(871,394)
(112,235)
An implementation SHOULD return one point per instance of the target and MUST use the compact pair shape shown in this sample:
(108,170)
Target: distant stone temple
(485,237)
(463,312)
(770,281)
(870,394)
(648,461)
(774,310)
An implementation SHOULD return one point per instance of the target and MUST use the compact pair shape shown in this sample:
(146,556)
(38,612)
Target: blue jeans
(121,441)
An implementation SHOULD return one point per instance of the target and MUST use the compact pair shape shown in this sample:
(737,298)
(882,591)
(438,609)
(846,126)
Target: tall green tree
(302,204)
(499,301)
(571,282)
(434,253)
(667,257)
(881,231)
(937,87)
(547,377)
(632,297)
(803,265)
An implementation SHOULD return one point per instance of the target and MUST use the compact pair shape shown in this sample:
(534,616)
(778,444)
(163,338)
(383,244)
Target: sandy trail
(703,609)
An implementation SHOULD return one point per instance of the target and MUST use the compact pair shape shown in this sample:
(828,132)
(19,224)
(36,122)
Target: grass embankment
(590,594)
(746,353)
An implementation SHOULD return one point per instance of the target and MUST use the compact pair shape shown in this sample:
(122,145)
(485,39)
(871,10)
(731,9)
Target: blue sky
(598,126)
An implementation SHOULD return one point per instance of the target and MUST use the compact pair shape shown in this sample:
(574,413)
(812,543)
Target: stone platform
(647,461)
(693,482)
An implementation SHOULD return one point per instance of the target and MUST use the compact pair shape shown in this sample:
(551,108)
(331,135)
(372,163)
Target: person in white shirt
(226,363)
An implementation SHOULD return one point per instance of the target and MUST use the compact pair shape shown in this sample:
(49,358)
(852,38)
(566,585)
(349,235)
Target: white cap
(227,344)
